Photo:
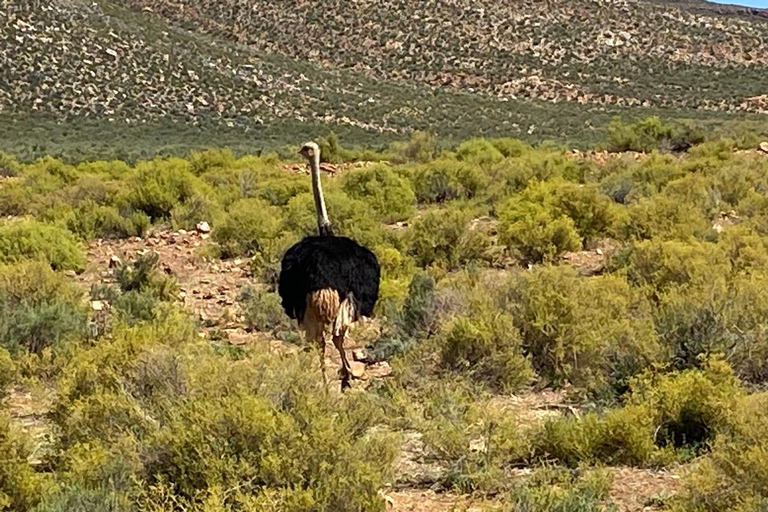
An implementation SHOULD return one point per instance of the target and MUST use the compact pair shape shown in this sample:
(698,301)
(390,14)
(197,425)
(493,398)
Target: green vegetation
(652,330)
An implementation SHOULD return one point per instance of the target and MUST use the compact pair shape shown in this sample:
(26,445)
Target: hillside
(132,78)
(617,53)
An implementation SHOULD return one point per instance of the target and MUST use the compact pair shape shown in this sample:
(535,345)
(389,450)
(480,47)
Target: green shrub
(159,186)
(689,407)
(20,486)
(442,237)
(445,180)
(549,218)
(84,499)
(30,239)
(201,162)
(651,133)
(91,221)
(260,423)
(7,373)
(38,308)
(594,333)
(665,217)
(252,227)
(661,264)
(479,151)
(558,490)
(532,232)
(8,165)
(263,311)
(194,210)
(390,195)
(421,148)
(734,475)
(490,349)
(511,148)
(666,417)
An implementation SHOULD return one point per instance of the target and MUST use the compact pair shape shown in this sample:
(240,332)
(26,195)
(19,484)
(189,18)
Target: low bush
(594,333)
(38,308)
(549,218)
(651,133)
(8,165)
(263,311)
(21,487)
(445,180)
(262,425)
(421,147)
(666,417)
(734,475)
(534,234)
(489,349)
(560,490)
(30,239)
(8,372)
(252,227)
(159,186)
(387,193)
(442,237)
(665,217)
(481,152)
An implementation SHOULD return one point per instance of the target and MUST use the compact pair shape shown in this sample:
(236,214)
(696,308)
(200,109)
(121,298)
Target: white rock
(203,227)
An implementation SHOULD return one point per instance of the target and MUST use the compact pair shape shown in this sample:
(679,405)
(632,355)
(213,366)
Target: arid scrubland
(558,330)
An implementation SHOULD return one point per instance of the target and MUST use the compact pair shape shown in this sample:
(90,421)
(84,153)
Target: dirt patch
(636,490)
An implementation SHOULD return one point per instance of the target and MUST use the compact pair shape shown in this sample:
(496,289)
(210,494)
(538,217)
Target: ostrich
(327,280)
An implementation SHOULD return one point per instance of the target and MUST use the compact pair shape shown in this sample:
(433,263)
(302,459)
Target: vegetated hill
(83,79)
(591,51)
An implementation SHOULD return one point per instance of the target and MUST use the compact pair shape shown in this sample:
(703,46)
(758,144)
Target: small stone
(359,354)
(182,232)
(97,305)
(182,295)
(70,273)
(357,369)
(599,251)
(204,236)
(114,261)
(203,227)
(764,147)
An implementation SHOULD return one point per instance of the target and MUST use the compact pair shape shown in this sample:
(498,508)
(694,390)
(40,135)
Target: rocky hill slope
(156,73)
(619,52)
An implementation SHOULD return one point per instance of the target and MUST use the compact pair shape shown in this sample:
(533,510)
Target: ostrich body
(327,280)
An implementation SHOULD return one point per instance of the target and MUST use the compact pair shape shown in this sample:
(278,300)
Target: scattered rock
(203,227)
(114,261)
(359,354)
(764,147)
(97,305)
(357,368)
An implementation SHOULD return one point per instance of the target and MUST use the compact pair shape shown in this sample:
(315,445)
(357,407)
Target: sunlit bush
(594,333)
(442,237)
(387,193)
(30,239)
(251,227)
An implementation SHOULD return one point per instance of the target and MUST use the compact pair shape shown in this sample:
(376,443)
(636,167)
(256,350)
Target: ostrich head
(311,152)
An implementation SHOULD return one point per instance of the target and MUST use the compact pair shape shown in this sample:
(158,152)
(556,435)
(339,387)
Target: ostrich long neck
(323,224)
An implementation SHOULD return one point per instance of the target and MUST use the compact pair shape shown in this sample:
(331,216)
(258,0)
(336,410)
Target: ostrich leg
(346,371)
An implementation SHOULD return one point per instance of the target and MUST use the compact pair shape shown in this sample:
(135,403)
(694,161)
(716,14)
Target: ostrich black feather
(335,262)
